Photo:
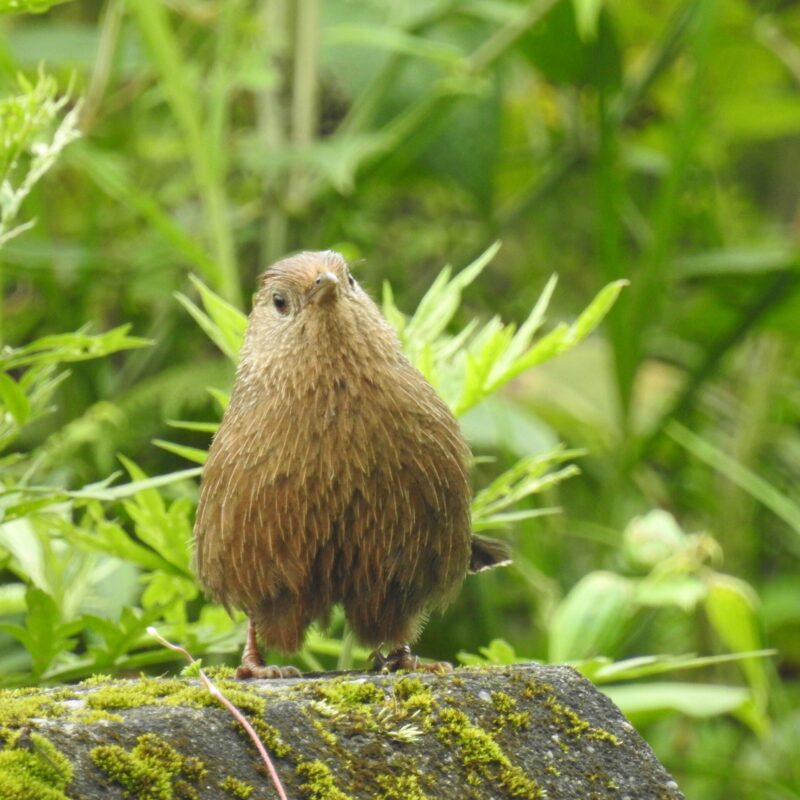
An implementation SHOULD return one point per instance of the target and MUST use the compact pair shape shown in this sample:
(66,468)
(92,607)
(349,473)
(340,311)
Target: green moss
(220,672)
(270,737)
(144,692)
(318,782)
(171,692)
(574,725)
(507,713)
(503,702)
(32,768)
(400,787)
(565,718)
(235,787)
(348,694)
(152,770)
(96,680)
(408,686)
(327,736)
(414,696)
(19,706)
(482,757)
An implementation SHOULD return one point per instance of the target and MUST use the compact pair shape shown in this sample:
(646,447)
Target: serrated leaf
(441,301)
(70,347)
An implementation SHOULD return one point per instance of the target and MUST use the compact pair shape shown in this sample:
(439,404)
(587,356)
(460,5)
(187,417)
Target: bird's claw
(403,659)
(245,671)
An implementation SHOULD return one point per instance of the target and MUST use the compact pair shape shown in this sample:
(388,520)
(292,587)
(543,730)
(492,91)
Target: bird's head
(305,282)
(309,315)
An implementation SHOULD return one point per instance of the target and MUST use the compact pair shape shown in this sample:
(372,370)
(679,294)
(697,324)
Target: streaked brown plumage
(337,475)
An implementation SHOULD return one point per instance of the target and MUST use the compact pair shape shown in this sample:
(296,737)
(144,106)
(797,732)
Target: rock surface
(526,731)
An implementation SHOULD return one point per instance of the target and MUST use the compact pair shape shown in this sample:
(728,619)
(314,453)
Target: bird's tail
(488,553)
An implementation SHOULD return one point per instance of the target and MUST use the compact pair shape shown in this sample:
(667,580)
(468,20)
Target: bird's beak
(325,288)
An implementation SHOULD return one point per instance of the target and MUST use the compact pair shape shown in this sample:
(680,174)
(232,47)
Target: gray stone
(525,731)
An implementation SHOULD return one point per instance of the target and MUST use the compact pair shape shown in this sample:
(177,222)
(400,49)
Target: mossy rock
(526,731)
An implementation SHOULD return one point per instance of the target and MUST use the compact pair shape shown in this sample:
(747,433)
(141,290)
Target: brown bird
(337,475)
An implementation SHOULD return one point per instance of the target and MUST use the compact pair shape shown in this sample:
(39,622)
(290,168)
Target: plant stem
(304,113)
(181,93)
(215,692)
(272,127)
(110,26)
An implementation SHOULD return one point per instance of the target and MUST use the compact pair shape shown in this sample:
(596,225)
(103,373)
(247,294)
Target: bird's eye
(351,280)
(279,301)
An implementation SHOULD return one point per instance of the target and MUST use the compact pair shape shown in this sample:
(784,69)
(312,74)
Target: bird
(337,476)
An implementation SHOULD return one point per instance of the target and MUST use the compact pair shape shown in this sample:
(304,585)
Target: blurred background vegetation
(657,142)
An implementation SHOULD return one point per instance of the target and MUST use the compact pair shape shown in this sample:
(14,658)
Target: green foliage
(477,362)
(31,139)
(667,569)
(31,6)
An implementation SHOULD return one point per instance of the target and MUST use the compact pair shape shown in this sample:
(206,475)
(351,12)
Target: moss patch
(152,770)
(564,718)
(236,788)
(32,768)
(400,787)
(318,782)
(19,707)
(481,756)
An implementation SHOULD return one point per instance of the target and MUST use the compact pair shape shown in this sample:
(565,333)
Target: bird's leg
(402,658)
(253,666)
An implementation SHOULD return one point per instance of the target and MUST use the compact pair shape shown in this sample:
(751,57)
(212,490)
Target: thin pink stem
(215,692)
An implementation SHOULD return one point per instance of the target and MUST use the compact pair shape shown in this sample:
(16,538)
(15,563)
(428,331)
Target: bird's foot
(402,658)
(253,666)
(252,670)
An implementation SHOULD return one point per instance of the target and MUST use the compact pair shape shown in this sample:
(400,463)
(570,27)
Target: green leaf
(587,14)
(527,477)
(222,322)
(441,301)
(44,636)
(742,261)
(779,503)
(14,400)
(166,529)
(604,671)
(134,487)
(696,700)
(231,322)
(563,337)
(190,425)
(652,538)
(731,606)
(394,40)
(70,347)
(498,651)
(500,521)
(113,174)
(96,533)
(189,453)
(660,590)
(30,6)
(592,619)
